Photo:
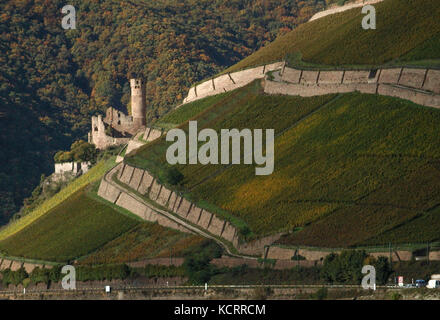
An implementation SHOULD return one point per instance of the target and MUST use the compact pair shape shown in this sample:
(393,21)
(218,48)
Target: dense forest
(52,80)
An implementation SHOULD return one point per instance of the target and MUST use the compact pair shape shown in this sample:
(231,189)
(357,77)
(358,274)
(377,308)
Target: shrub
(171,176)
(321,294)
(344,268)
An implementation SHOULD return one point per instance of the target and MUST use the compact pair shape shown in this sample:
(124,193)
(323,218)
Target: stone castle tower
(138,105)
(117,127)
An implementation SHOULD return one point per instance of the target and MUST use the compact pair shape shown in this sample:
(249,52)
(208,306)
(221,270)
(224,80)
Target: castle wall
(118,120)
(72,167)
(100,139)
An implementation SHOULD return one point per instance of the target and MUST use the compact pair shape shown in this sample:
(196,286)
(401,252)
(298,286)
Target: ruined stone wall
(119,120)
(99,138)
(65,167)
(72,167)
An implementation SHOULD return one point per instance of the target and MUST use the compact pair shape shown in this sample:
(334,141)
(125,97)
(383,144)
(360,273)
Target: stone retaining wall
(311,83)
(280,253)
(434,255)
(144,183)
(152,134)
(15,265)
(419,97)
(113,194)
(230,81)
(338,9)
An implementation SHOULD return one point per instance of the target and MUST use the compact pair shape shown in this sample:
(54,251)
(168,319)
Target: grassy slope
(343,175)
(74,228)
(84,224)
(408,31)
(91,176)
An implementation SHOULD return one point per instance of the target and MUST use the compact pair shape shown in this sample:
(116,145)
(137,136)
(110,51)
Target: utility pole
(391,260)
(427,252)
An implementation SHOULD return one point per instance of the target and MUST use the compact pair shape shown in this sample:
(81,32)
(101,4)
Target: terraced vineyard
(87,227)
(74,228)
(407,32)
(349,170)
(93,175)
(144,241)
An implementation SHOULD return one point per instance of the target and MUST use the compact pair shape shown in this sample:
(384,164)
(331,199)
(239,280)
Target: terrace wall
(143,182)
(404,83)
(421,86)
(230,81)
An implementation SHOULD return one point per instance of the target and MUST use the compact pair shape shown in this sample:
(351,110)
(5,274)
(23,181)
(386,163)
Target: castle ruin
(117,128)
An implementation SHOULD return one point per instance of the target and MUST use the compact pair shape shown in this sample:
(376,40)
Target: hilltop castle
(117,128)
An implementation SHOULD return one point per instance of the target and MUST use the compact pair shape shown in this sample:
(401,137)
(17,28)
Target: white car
(433,284)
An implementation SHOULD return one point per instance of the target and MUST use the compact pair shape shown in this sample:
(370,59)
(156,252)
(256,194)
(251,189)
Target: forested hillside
(52,80)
